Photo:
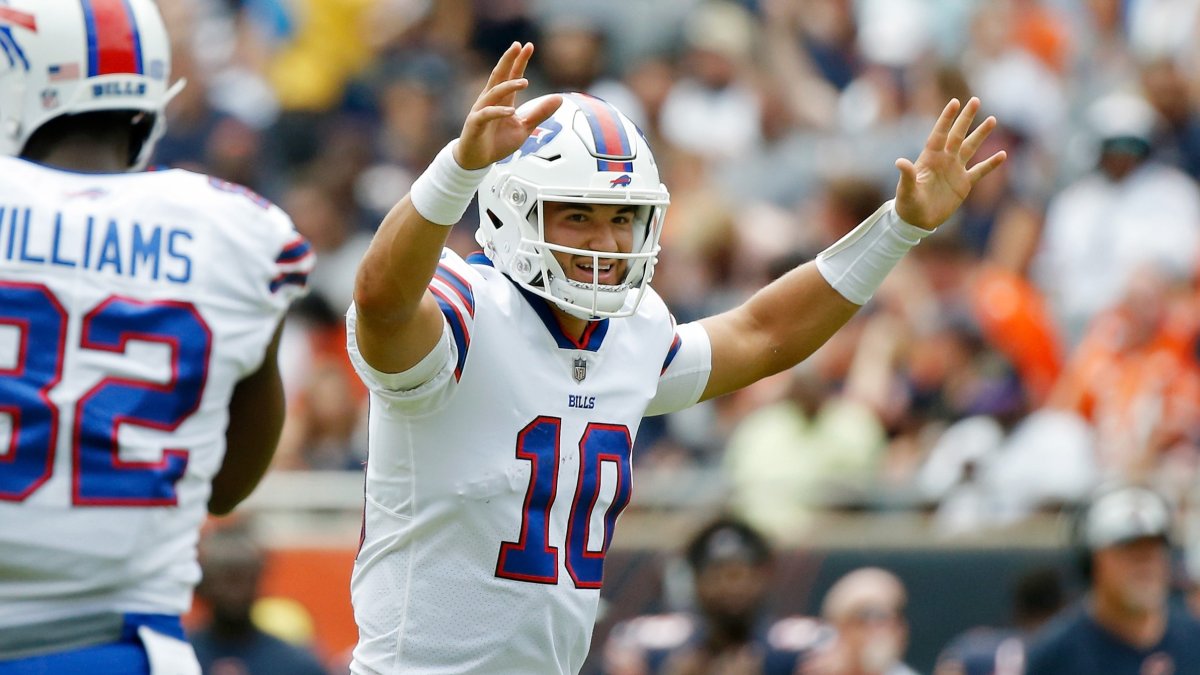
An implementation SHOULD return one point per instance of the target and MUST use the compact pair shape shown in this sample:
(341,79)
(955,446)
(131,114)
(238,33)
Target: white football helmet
(586,152)
(66,57)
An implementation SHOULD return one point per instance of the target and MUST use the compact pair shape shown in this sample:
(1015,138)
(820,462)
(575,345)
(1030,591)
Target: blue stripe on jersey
(295,278)
(478,258)
(458,329)
(459,285)
(294,251)
(672,353)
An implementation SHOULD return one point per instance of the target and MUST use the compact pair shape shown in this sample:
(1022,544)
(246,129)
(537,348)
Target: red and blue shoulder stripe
(455,283)
(295,251)
(293,264)
(456,299)
(459,330)
(671,353)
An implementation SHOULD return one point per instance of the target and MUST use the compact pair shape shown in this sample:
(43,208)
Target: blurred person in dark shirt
(985,650)
(728,632)
(231,643)
(1125,624)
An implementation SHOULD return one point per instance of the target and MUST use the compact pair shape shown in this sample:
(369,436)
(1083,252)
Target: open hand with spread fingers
(493,129)
(933,187)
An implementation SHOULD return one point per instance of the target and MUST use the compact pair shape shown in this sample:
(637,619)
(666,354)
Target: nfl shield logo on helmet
(580,370)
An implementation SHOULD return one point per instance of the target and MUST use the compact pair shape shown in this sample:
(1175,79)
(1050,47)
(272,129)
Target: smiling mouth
(605,273)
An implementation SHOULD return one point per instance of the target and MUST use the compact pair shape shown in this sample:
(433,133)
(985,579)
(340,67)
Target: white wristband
(441,194)
(856,265)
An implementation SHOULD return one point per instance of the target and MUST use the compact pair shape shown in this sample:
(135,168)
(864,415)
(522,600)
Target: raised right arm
(398,320)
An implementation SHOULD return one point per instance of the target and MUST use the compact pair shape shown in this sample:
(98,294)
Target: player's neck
(573,326)
(85,155)
(85,162)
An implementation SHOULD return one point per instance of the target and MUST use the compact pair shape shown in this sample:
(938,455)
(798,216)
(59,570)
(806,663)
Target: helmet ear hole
(496,222)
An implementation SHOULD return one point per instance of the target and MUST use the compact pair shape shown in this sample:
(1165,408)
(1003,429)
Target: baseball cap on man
(1124,515)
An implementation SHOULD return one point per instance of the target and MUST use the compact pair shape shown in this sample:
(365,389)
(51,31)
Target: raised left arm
(787,320)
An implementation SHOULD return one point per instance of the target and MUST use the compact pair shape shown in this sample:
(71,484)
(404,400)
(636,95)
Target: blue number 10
(532,557)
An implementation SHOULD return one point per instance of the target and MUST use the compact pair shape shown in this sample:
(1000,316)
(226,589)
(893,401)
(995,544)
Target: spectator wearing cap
(728,632)
(1125,624)
(866,609)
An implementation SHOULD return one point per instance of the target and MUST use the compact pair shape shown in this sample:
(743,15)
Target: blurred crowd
(1043,341)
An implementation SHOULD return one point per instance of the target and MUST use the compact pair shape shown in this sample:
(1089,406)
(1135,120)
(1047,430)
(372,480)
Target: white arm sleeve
(429,373)
(685,371)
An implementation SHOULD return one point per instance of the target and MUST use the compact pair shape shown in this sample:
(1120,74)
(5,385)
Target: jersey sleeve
(292,266)
(685,370)
(255,262)
(273,260)
(435,375)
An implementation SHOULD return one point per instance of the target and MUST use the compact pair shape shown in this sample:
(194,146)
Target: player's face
(1135,574)
(874,635)
(731,591)
(595,227)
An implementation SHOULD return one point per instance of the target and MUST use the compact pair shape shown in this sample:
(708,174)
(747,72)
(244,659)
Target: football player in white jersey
(139,316)
(506,389)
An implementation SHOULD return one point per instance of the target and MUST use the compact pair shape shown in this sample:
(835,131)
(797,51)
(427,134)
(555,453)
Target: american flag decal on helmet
(63,71)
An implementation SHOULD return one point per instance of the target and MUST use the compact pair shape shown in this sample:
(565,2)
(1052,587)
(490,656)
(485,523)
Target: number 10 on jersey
(532,557)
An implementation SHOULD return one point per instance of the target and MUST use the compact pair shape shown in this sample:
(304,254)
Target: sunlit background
(1041,342)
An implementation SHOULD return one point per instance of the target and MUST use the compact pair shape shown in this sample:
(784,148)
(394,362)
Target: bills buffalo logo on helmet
(539,138)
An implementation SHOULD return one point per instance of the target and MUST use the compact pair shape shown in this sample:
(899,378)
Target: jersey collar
(592,337)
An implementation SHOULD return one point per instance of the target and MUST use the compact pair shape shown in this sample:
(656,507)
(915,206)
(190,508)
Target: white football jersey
(130,306)
(494,487)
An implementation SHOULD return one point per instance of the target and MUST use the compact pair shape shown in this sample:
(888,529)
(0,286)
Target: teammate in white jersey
(139,316)
(506,389)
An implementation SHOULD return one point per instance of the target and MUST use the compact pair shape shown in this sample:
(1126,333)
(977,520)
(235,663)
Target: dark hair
(727,538)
